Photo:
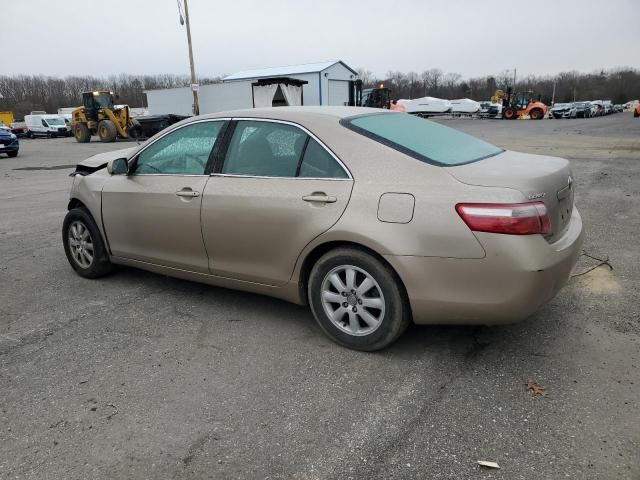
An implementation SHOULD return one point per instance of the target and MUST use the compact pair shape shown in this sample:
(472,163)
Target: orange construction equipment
(522,105)
(636,112)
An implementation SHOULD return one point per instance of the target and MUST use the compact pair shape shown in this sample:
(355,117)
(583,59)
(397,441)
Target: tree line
(25,93)
(618,85)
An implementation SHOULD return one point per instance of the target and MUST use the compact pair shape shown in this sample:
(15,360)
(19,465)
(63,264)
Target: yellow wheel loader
(98,116)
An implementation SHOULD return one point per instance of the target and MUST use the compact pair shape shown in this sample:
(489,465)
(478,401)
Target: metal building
(325,83)
(328,82)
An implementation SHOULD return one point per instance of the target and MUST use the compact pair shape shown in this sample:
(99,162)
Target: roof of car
(296,113)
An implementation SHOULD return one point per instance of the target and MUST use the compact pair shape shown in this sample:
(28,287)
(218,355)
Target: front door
(153,214)
(277,190)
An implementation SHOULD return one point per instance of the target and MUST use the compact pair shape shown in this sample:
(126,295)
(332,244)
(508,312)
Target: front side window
(184,151)
(422,139)
(270,149)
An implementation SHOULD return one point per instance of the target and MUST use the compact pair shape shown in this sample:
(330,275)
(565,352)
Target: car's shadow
(298,325)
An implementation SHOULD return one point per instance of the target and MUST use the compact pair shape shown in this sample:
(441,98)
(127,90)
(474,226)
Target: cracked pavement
(142,376)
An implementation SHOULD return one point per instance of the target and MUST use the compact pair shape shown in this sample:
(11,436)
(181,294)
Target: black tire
(49,135)
(99,266)
(510,114)
(135,129)
(30,135)
(536,114)
(82,133)
(636,114)
(12,154)
(107,131)
(396,316)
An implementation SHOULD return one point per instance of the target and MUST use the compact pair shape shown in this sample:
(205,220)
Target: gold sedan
(373,218)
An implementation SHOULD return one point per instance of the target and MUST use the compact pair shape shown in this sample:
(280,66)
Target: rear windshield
(422,139)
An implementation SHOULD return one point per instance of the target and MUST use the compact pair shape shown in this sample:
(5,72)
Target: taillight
(507,218)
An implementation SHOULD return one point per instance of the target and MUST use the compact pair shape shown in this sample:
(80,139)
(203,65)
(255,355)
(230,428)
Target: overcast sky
(471,37)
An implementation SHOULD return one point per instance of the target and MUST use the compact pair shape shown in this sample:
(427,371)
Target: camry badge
(533,196)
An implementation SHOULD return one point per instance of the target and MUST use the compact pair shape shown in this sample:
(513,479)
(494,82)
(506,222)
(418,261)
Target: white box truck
(45,125)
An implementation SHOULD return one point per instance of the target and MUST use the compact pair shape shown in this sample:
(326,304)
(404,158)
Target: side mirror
(119,166)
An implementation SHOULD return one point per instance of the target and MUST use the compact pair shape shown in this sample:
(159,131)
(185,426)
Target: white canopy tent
(278,91)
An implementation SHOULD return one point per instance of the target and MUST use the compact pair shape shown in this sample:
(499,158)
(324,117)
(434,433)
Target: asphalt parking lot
(142,376)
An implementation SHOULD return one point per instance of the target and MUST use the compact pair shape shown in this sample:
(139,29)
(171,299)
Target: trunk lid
(537,177)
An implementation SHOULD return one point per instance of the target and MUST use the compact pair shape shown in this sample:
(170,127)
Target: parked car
(491,109)
(581,110)
(9,142)
(46,125)
(19,129)
(560,110)
(298,203)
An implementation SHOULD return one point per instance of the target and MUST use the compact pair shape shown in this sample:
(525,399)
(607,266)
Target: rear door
(277,189)
(153,214)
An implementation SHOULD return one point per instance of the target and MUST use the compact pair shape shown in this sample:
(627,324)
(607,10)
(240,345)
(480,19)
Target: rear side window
(264,149)
(422,139)
(271,149)
(317,163)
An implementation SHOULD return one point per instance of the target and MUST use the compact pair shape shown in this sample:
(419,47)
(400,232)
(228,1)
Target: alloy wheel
(353,300)
(81,244)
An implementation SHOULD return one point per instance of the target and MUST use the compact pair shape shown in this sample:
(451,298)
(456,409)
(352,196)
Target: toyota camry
(374,219)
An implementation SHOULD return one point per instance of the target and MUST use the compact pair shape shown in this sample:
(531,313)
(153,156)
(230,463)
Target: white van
(45,125)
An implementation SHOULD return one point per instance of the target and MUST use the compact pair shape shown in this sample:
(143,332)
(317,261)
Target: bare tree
(366,76)
(432,81)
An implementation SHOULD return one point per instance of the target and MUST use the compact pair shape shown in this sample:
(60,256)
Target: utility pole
(553,95)
(194,82)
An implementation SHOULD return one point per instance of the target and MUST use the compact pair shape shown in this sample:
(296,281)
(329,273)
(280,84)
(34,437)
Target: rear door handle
(320,198)
(187,193)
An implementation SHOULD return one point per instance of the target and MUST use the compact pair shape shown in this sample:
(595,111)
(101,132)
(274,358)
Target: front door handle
(319,197)
(187,193)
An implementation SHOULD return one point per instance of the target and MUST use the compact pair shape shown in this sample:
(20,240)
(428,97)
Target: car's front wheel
(83,245)
(357,299)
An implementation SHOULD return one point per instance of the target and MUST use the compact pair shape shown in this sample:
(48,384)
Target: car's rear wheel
(357,300)
(83,245)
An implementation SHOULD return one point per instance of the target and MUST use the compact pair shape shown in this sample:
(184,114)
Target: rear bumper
(517,276)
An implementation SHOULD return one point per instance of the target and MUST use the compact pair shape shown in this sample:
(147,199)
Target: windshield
(54,121)
(422,139)
(561,105)
(104,100)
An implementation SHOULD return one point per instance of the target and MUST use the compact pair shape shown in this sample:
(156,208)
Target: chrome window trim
(305,130)
(138,152)
(238,175)
(166,175)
